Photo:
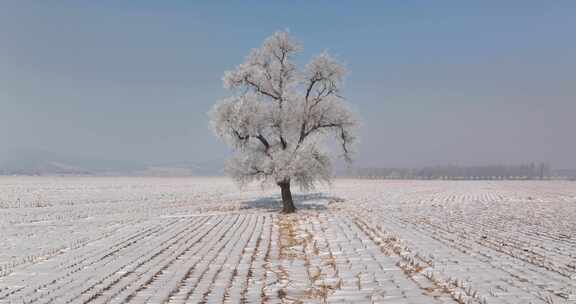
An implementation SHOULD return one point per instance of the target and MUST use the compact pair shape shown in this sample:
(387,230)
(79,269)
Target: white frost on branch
(280,117)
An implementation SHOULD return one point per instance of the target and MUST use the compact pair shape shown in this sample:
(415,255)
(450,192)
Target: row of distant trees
(528,171)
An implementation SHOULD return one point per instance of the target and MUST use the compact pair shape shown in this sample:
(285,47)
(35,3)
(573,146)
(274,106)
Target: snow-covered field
(193,240)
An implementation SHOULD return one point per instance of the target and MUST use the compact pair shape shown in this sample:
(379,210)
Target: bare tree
(279,117)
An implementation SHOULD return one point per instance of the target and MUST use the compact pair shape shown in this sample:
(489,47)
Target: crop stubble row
(421,242)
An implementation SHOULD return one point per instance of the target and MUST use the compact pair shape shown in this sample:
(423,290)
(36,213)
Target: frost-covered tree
(279,117)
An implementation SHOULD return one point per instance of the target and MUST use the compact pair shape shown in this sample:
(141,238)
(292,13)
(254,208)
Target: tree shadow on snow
(309,201)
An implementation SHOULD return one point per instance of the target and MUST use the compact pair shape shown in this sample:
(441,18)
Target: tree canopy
(279,117)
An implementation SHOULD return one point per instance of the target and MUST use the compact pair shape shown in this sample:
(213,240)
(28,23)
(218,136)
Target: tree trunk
(287,202)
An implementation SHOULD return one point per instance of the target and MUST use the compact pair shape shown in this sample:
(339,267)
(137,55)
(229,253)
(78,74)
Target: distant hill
(46,168)
(37,162)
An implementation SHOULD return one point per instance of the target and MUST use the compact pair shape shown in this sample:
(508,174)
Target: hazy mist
(131,81)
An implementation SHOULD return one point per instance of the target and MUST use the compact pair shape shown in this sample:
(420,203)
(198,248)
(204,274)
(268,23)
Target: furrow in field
(196,281)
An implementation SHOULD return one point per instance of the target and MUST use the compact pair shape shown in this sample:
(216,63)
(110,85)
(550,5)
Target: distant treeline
(528,171)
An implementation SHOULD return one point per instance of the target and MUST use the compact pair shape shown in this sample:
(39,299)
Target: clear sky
(435,82)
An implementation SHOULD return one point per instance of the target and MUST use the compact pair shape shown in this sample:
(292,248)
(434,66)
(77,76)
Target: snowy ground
(191,240)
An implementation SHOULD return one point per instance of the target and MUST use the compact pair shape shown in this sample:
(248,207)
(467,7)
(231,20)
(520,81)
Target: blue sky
(434,82)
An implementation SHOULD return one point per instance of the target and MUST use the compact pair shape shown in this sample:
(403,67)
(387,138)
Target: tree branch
(260,90)
(263,141)
(240,137)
